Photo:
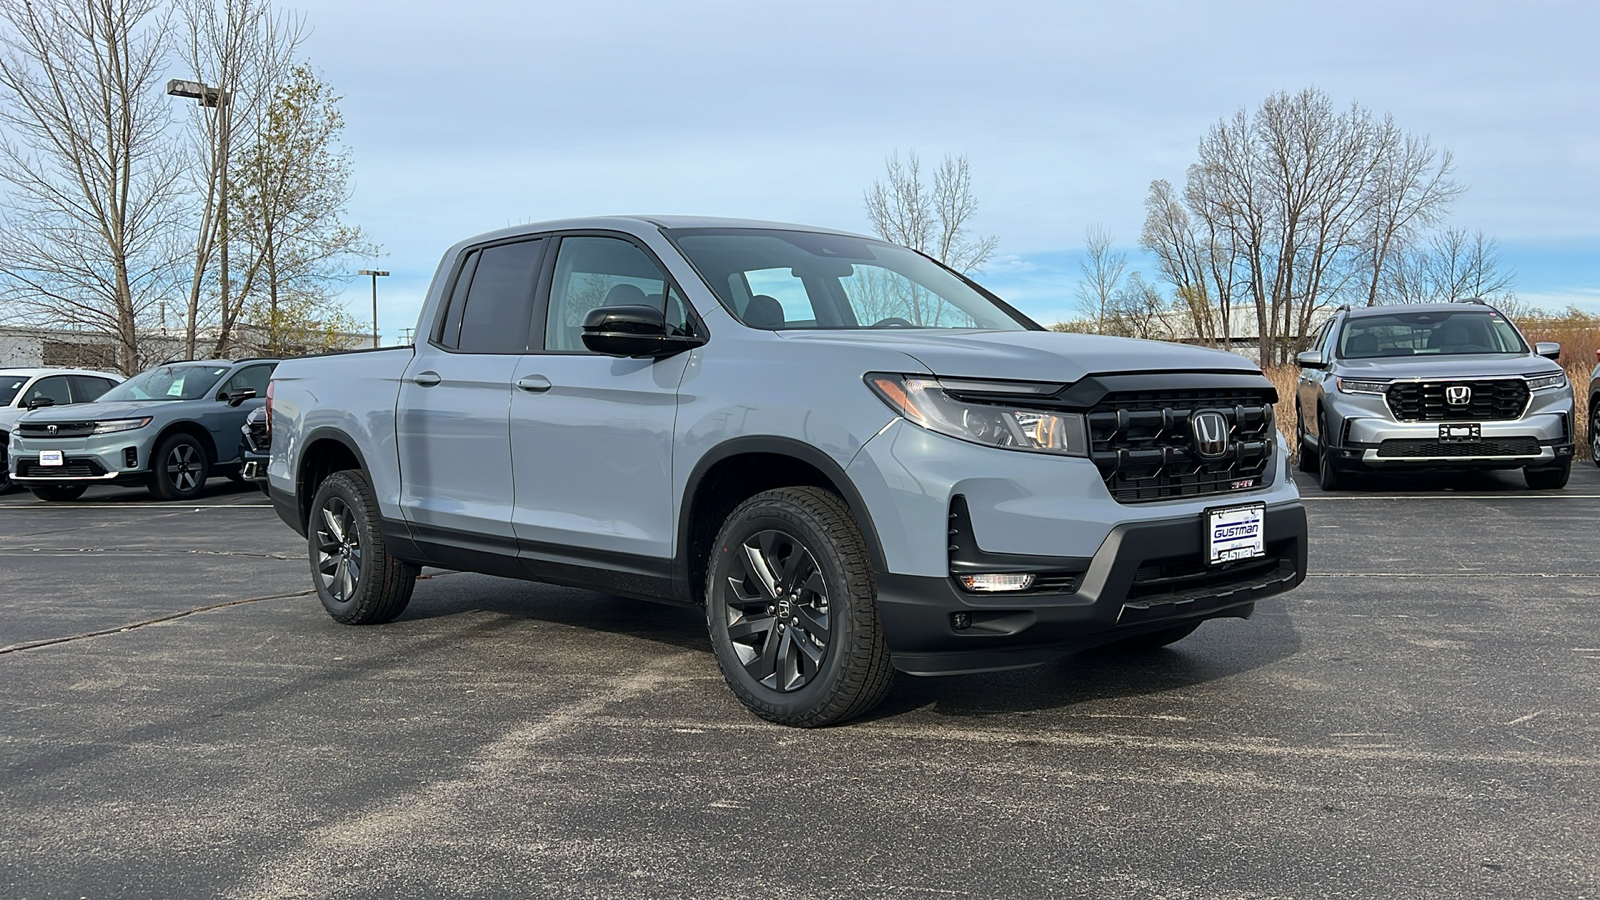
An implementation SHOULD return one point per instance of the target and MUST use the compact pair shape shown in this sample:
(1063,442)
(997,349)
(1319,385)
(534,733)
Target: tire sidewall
(351,491)
(1327,467)
(775,514)
(1594,429)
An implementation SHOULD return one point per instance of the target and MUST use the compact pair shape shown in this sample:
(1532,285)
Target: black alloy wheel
(180,469)
(1594,429)
(791,608)
(1549,478)
(356,579)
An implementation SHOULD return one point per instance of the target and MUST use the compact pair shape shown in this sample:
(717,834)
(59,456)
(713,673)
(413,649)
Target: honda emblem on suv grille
(1210,433)
(1458,395)
(51,429)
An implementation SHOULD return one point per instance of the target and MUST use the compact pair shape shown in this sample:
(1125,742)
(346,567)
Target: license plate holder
(51,458)
(1235,532)
(1456,432)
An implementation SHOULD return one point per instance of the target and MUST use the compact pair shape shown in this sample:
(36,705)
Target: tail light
(270,386)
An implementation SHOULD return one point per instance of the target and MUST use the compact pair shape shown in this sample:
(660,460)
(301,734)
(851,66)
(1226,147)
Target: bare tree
(1102,269)
(1411,189)
(1138,310)
(85,235)
(930,218)
(1453,265)
(1192,262)
(242,50)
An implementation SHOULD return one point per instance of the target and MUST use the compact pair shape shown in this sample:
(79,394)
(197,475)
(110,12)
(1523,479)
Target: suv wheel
(1549,478)
(179,468)
(59,493)
(1307,457)
(1328,474)
(356,579)
(790,604)
(1594,429)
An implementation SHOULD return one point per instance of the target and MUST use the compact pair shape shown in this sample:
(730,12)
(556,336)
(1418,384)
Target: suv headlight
(112,426)
(1352,386)
(1546,382)
(923,400)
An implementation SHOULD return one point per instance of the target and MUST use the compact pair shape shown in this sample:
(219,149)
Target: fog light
(130,457)
(990,583)
(961,621)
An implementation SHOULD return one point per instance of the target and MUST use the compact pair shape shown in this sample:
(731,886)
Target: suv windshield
(1429,334)
(175,382)
(9,385)
(774,279)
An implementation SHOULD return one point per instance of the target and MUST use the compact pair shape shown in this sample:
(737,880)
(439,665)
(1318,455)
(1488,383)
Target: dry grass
(1578,371)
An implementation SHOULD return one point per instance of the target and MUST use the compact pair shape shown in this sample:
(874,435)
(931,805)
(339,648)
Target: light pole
(213,98)
(374,273)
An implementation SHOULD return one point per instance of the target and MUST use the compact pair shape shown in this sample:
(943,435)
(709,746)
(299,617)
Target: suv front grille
(1493,399)
(62,429)
(71,468)
(1422,448)
(1143,444)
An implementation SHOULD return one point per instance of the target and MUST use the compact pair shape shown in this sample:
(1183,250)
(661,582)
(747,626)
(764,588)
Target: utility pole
(212,98)
(374,273)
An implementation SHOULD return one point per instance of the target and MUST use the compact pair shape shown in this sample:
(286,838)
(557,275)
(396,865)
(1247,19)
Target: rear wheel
(179,468)
(1307,456)
(791,607)
(1329,477)
(1549,478)
(59,493)
(1153,640)
(356,579)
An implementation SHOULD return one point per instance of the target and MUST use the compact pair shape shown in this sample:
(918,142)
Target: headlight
(1546,382)
(922,399)
(1351,386)
(112,426)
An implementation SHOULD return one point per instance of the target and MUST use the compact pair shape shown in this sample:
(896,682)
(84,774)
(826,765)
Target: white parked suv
(21,387)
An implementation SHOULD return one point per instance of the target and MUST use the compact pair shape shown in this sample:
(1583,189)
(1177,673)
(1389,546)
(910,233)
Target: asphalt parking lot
(181,719)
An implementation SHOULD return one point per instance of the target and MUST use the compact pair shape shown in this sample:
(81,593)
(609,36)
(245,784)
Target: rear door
(453,420)
(591,435)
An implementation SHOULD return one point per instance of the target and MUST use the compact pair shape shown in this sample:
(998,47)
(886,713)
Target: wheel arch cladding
(740,469)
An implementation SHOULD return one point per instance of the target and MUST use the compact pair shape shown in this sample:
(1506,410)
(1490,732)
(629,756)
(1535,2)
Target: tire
(179,468)
(1549,478)
(797,554)
(1153,640)
(59,493)
(1594,429)
(1328,474)
(356,579)
(1307,456)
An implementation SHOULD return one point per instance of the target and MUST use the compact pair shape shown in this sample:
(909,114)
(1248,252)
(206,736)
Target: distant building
(21,346)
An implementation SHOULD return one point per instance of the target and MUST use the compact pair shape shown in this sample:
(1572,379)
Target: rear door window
(87,388)
(499,300)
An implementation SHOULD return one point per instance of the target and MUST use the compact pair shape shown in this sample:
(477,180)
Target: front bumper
(1533,440)
(1146,576)
(100,459)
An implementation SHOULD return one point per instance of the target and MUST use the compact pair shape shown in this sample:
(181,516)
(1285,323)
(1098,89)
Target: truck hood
(1028,355)
(1464,365)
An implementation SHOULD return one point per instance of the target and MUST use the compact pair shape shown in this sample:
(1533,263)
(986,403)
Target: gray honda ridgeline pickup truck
(854,459)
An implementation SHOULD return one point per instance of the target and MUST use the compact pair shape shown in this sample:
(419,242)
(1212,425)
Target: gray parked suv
(168,428)
(1438,385)
(854,459)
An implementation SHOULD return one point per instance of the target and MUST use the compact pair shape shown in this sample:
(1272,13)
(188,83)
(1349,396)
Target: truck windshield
(174,382)
(1429,334)
(776,279)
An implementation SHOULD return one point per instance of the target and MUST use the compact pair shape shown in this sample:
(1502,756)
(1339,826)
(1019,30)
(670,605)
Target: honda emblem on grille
(51,429)
(1210,433)
(1457,395)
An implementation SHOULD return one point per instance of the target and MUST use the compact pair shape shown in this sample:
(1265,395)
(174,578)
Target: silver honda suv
(1432,385)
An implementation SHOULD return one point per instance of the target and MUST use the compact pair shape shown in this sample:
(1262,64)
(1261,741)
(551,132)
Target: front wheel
(179,468)
(1548,479)
(791,607)
(356,579)
(1594,429)
(1307,458)
(59,493)
(1329,477)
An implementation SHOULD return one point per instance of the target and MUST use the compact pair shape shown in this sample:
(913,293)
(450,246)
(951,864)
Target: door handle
(426,379)
(534,384)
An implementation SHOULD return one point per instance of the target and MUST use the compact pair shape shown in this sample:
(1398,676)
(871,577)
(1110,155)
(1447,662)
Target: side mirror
(1309,359)
(40,402)
(632,331)
(1548,349)
(240,396)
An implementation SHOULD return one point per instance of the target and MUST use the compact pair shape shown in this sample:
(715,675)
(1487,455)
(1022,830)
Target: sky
(472,115)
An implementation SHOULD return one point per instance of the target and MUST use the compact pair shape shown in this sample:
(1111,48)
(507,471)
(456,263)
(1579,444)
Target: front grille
(62,429)
(72,468)
(1215,591)
(1143,444)
(1493,399)
(1422,448)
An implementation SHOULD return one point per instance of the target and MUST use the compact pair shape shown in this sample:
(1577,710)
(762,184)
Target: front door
(591,435)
